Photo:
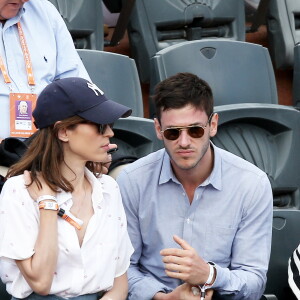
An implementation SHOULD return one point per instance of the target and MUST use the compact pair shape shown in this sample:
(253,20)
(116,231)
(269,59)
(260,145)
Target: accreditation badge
(21,120)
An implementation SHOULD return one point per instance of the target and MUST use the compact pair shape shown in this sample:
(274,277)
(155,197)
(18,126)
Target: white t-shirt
(104,254)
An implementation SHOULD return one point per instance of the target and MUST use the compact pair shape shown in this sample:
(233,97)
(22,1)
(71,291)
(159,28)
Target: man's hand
(105,166)
(182,292)
(185,264)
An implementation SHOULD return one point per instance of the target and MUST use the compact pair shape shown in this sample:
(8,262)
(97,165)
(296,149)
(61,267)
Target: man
(33,55)
(23,107)
(197,215)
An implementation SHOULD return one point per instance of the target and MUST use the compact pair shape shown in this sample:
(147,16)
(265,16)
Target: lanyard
(27,60)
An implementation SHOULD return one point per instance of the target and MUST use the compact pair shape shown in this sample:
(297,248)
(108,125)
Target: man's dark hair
(180,90)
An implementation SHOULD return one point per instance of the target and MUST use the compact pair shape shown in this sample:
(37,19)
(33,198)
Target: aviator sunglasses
(195,131)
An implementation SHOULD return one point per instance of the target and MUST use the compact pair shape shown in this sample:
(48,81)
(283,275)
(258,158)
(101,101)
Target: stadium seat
(238,72)
(117,76)
(283,23)
(3,294)
(296,77)
(285,239)
(268,136)
(135,138)
(84,20)
(157,24)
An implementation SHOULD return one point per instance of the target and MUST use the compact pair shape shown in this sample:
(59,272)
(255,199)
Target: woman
(63,228)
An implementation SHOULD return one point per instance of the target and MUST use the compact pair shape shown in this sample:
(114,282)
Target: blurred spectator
(36,48)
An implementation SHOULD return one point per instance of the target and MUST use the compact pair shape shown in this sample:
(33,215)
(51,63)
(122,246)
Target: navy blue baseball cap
(65,98)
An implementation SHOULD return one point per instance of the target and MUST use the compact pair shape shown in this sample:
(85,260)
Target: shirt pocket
(218,243)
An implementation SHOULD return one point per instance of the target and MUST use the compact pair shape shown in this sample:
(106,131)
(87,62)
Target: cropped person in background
(198,216)
(63,226)
(36,48)
(294,272)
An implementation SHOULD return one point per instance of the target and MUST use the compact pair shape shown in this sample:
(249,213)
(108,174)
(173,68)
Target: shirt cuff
(148,290)
(221,278)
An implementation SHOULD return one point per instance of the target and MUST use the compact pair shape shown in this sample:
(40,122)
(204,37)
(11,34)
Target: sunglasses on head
(194,131)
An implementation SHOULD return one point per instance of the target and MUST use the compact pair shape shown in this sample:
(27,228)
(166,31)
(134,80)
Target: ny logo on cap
(93,87)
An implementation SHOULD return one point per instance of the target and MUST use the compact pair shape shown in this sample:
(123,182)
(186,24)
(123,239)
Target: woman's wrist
(45,197)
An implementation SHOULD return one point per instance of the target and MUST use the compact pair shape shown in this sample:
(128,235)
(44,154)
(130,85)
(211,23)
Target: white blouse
(104,254)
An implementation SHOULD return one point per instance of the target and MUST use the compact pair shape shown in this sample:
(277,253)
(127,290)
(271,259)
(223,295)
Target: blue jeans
(35,296)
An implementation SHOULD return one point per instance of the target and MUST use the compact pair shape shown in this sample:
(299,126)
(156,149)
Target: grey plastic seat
(136,136)
(283,23)
(117,76)
(84,20)
(296,77)
(268,136)
(238,72)
(285,239)
(157,24)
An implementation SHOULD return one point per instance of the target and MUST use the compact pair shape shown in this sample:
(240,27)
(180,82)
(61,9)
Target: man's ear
(213,128)
(158,129)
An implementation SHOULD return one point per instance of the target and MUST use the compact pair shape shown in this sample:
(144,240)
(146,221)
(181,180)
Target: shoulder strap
(260,15)
(122,22)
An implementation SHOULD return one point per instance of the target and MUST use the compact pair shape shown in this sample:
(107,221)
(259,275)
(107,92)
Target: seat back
(84,20)
(135,138)
(283,23)
(238,72)
(296,77)
(269,137)
(157,24)
(116,75)
(3,293)
(285,239)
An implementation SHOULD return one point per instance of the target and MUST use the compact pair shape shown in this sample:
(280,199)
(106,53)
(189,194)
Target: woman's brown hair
(45,155)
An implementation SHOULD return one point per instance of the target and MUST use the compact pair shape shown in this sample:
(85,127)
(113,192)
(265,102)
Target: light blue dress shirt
(51,49)
(229,223)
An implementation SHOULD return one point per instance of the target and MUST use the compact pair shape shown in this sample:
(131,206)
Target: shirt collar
(97,188)
(15,19)
(215,178)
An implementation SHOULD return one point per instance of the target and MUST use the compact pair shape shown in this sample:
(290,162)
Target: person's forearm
(119,290)
(39,269)
(240,284)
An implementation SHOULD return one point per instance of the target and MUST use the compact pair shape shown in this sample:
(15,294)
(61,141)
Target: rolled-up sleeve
(19,221)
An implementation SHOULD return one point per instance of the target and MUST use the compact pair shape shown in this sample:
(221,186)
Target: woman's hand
(33,190)
(184,291)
